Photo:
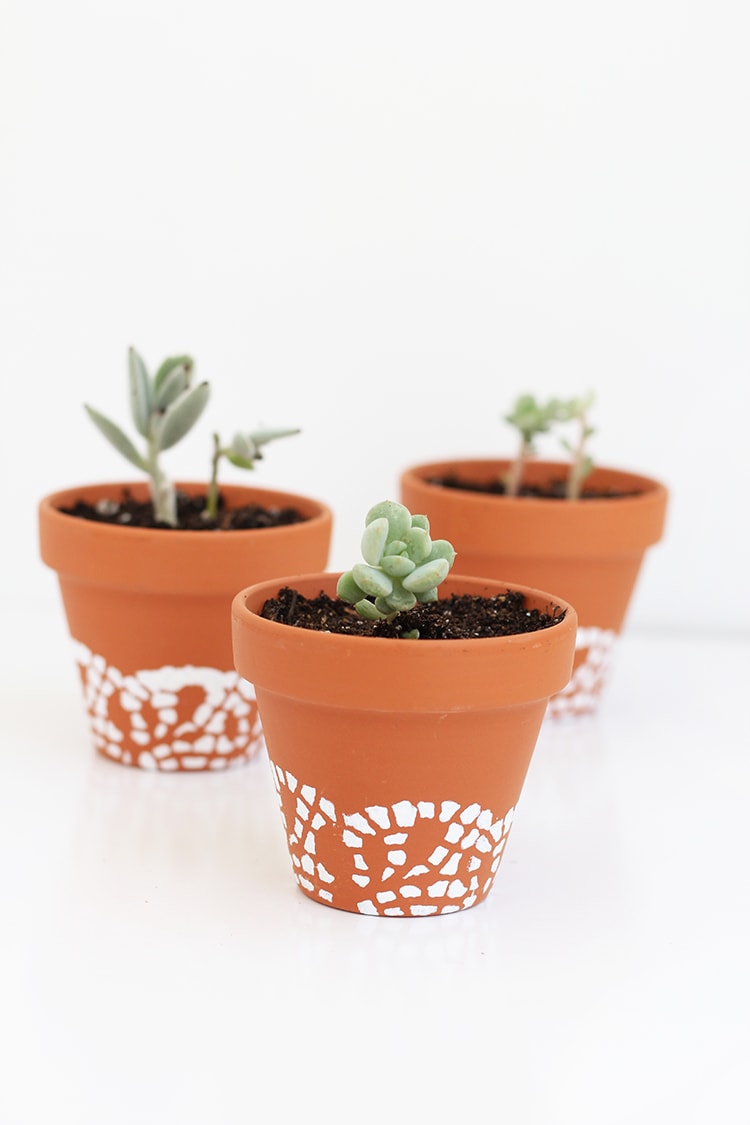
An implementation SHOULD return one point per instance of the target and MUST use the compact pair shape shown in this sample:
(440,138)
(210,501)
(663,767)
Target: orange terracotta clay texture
(588,552)
(398,763)
(149,614)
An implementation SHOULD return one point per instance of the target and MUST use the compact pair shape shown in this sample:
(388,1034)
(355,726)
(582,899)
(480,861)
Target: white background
(381,223)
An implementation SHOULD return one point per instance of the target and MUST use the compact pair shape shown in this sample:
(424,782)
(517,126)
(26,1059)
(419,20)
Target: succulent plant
(532,418)
(242,452)
(164,408)
(401,564)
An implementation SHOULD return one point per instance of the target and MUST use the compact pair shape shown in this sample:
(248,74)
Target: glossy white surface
(161,968)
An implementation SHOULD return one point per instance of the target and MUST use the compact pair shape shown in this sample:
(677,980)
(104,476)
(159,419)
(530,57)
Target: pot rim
(517,525)
(444,675)
(165,561)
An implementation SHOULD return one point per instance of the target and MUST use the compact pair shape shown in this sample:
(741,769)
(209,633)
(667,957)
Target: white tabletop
(160,966)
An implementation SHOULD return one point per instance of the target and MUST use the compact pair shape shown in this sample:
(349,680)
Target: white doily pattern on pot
(401,868)
(581,694)
(170,718)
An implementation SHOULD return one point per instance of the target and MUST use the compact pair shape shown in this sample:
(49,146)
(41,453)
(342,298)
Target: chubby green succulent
(164,408)
(401,564)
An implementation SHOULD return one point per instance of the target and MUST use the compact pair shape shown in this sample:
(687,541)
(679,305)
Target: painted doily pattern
(171,718)
(593,659)
(408,859)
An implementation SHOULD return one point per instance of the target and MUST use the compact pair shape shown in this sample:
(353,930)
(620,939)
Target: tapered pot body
(398,763)
(588,551)
(149,614)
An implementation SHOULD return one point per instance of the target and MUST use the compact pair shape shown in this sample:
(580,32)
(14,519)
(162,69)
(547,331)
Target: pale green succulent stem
(514,475)
(211,509)
(163,495)
(578,471)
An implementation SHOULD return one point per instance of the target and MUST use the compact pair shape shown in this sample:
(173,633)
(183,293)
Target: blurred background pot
(587,551)
(149,614)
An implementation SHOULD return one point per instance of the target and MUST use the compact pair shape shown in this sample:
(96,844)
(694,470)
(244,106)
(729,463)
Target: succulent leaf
(374,539)
(181,416)
(418,544)
(174,383)
(427,576)
(185,362)
(262,437)
(398,516)
(348,590)
(372,580)
(400,599)
(369,610)
(443,549)
(140,393)
(397,566)
(117,438)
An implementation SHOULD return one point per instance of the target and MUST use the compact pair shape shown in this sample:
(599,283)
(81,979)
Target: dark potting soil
(458,617)
(129,512)
(550,490)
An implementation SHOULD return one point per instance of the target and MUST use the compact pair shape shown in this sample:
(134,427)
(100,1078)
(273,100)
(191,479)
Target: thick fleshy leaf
(348,590)
(374,539)
(442,549)
(140,392)
(400,599)
(397,566)
(262,437)
(117,438)
(399,517)
(174,383)
(371,580)
(418,544)
(238,461)
(169,365)
(243,447)
(368,611)
(426,576)
(181,416)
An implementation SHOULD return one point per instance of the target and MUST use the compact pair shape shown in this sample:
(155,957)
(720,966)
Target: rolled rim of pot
(619,524)
(338,670)
(162,560)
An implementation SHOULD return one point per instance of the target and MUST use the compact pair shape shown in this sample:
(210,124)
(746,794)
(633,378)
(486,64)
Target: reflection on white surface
(161,966)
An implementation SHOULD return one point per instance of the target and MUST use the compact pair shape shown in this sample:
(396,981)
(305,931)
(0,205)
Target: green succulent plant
(401,564)
(164,408)
(532,418)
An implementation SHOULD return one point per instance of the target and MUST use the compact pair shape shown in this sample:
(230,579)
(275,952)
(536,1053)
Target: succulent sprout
(243,451)
(401,564)
(532,418)
(164,408)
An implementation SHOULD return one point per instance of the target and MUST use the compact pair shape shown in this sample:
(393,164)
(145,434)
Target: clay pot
(587,551)
(398,763)
(149,613)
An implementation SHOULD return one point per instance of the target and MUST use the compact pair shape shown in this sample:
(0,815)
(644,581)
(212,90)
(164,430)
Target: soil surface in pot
(551,490)
(457,617)
(129,512)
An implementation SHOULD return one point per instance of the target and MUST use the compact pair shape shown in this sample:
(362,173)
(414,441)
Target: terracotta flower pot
(398,763)
(587,551)
(149,612)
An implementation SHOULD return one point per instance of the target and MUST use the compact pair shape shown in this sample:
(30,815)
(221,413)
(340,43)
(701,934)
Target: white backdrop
(381,223)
